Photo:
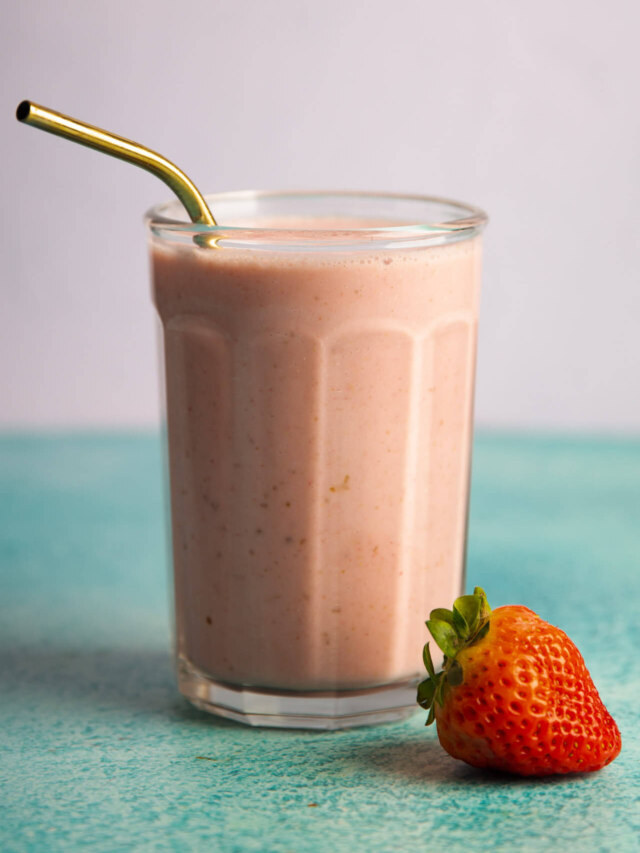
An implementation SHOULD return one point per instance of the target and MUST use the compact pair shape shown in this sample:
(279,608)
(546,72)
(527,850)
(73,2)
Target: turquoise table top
(99,752)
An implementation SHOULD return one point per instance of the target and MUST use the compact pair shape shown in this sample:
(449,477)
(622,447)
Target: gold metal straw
(123,149)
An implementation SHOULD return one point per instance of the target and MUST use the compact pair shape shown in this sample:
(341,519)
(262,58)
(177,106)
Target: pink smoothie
(319,416)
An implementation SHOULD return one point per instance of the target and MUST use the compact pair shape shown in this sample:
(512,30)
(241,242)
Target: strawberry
(514,693)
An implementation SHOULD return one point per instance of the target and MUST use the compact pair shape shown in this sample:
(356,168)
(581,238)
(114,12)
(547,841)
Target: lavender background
(528,110)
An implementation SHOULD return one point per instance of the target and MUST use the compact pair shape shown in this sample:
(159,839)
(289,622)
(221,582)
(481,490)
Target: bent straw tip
(24,108)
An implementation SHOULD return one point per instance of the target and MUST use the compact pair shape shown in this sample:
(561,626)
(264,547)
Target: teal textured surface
(99,752)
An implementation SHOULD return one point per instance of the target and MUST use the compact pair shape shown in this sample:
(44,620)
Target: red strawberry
(514,693)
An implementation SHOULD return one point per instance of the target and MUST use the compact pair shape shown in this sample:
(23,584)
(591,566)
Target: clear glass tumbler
(319,361)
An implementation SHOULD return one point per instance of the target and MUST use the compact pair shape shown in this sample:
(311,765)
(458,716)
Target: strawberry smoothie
(319,407)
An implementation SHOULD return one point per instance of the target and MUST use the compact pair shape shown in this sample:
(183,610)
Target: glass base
(342,709)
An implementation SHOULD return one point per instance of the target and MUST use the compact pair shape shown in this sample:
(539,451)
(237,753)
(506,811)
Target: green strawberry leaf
(432,715)
(468,607)
(455,675)
(459,623)
(442,614)
(428,663)
(445,636)
(483,631)
(426,692)
(485,610)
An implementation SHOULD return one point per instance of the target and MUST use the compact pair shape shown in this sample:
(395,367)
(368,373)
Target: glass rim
(470,221)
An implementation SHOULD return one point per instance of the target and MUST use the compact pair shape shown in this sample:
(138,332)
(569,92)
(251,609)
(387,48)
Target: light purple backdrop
(530,110)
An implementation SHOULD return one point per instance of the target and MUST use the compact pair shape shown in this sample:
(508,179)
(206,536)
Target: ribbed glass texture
(319,359)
